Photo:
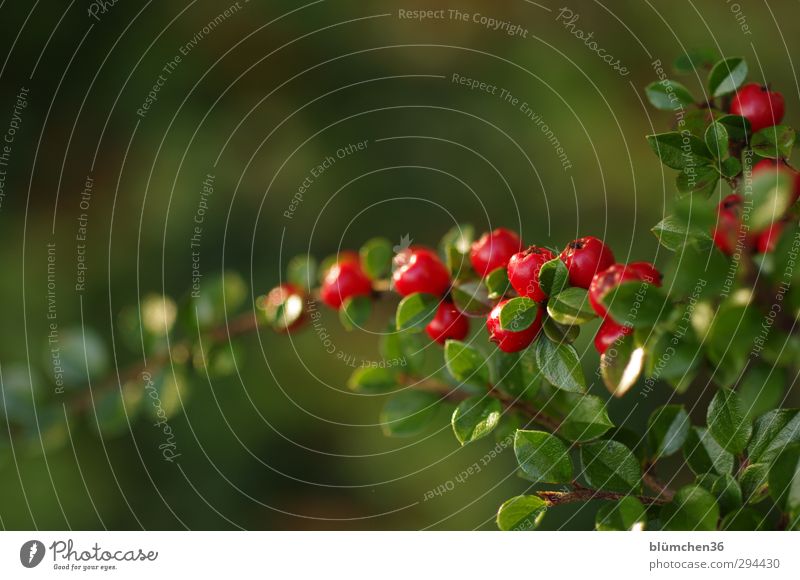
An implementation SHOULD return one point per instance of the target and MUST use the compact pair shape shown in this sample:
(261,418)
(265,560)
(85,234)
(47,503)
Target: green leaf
(772,433)
(754,482)
(560,365)
(701,180)
(609,465)
(716,138)
(543,457)
(627,514)
(668,95)
(497,283)
(680,150)
(466,364)
(772,195)
(694,59)
(571,306)
(516,373)
(586,419)
(730,168)
(761,389)
(408,413)
(521,513)
(372,380)
(518,314)
(738,127)
(476,417)
(376,257)
(553,276)
(729,340)
(415,311)
(727,422)
(455,246)
(744,520)
(560,332)
(355,312)
(621,365)
(472,298)
(775,142)
(726,76)
(704,455)
(692,509)
(673,233)
(302,272)
(725,490)
(637,304)
(784,479)
(667,429)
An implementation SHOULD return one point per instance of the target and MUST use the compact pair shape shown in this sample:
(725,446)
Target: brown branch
(652,482)
(584,494)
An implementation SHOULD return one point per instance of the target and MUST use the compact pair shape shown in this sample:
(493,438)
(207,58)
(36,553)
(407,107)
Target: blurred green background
(258,100)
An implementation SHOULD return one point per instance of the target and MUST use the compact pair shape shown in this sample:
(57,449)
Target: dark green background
(280,93)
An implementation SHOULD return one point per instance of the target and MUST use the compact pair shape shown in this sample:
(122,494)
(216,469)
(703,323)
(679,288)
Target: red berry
(762,107)
(523,271)
(772,165)
(342,281)
(609,333)
(420,270)
(766,240)
(509,341)
(448,323)
(493,250)
(286,299)
(605,281)
(584,258)
(729,224)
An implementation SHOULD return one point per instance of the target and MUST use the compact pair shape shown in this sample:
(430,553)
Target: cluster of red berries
(762,108)
(590,264)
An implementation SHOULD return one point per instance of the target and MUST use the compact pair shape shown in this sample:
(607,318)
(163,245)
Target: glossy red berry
(419,269)
(766,240)
(773,165)
(509,341)
(762,107)
(523,271)
(605,281)
(493,250)
(609,333)
(283,306)
(448,323)
(584,258)
(342,281)
(728,228)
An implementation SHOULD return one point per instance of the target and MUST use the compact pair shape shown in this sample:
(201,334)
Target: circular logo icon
(31,553)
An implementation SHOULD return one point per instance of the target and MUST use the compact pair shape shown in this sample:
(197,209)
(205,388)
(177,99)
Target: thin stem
(584,494)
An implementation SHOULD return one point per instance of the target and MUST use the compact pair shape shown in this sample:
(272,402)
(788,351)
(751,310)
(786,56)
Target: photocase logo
(31,553)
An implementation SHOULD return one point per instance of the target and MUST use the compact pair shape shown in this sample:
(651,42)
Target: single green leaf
(472,298)
(716,139)
(415,311)
(560,332)
(730,167)
(627,514)
(667,429)
(518,314)
(754,482)
(668,95)
(570,307)
(521,513)
(775,142)
(637,304)
(692,509)
(621,365)
(680,150)
(701,180)
(497,283)
(609,465)
(376,257)
(784,479)
(726,76)
(738,127)
(466,364)
(725,490)
(695,59)
(761,388)
(543,457)
(586,418)
(772,433)
(408,413)
(476,417)
(302,272)
(727,422)
(704,455)
(560,365)
(743,520)
(553,276)
(673,233)
(372,380)
(355,311)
